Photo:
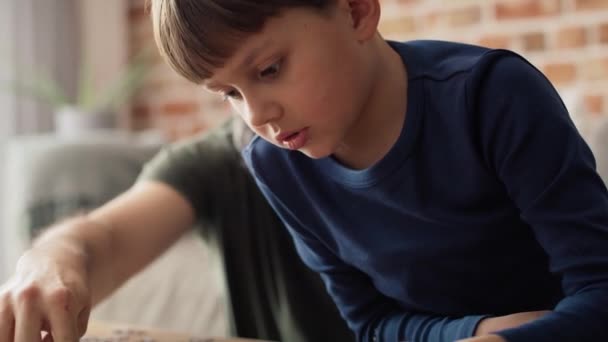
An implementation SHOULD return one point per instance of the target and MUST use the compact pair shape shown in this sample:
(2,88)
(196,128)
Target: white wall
(44,37)
(7,109)
(35,36)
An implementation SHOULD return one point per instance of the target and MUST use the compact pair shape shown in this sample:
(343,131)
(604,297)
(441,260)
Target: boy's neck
(381,121)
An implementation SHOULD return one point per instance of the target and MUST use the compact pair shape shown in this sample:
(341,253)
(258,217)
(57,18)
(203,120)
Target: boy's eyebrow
(248,60)
(212,86)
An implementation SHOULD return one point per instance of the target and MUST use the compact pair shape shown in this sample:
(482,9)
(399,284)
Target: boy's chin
(315,153)
(312,151)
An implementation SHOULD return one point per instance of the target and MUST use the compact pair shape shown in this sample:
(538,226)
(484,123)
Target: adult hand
(47,293)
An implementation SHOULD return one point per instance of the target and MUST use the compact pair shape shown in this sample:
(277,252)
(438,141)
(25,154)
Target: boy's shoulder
(440,60)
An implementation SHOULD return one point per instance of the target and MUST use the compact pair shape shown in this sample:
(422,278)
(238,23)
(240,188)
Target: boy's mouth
(294,140)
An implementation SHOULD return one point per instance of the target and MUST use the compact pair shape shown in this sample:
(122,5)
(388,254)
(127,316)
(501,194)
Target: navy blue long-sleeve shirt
(488,204)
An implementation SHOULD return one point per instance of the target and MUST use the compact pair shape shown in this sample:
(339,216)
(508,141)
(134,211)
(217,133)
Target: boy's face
(302,82)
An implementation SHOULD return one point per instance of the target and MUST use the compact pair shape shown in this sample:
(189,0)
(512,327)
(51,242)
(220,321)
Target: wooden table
(110,332)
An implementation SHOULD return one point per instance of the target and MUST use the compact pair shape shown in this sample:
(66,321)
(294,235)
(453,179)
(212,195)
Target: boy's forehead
(248,54)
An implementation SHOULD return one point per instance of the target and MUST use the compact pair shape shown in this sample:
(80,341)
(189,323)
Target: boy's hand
(494,324)
(487,338)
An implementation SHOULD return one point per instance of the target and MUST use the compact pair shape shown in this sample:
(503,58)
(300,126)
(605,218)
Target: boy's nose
(263,113)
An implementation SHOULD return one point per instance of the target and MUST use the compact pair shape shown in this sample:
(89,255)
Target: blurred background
(85,99)
(566,39)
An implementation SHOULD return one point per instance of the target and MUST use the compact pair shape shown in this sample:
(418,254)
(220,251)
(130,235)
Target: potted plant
(90,110)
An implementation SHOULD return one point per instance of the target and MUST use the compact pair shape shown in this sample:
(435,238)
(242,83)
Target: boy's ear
(365,17)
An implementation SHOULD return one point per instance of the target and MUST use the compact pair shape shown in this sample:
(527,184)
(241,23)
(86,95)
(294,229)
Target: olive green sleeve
(201,169)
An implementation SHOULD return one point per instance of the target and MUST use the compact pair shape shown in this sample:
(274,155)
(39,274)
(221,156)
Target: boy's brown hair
(197,36)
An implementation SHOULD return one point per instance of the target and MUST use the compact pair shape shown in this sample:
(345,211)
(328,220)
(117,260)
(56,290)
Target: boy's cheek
(239,109)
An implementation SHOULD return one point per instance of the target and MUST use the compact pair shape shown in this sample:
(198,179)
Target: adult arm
(76,263)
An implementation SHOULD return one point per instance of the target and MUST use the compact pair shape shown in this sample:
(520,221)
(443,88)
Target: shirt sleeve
(531,144)
(372,316)
(201,169)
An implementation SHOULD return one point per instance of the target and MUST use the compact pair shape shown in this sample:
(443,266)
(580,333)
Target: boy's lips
(293,140)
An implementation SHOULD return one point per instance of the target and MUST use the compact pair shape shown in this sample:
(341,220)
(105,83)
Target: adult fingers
(47,338)
(7,319)
(61,309)
(28,318)
(83,321)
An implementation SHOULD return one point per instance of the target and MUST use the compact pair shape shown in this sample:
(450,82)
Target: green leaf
(129,81)
(43,89)
(120,90)
(85,88)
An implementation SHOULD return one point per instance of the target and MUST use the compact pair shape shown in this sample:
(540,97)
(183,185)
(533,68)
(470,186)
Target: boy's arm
(372,316)
(488,338)
(528,139)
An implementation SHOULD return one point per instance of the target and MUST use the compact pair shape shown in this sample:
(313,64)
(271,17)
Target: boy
(271,294)
(440,189)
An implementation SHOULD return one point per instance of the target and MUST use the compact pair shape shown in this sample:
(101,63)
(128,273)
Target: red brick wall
(566,39)
(167,101)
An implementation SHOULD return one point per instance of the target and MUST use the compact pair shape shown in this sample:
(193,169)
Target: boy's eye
(232,94)
(271,71)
